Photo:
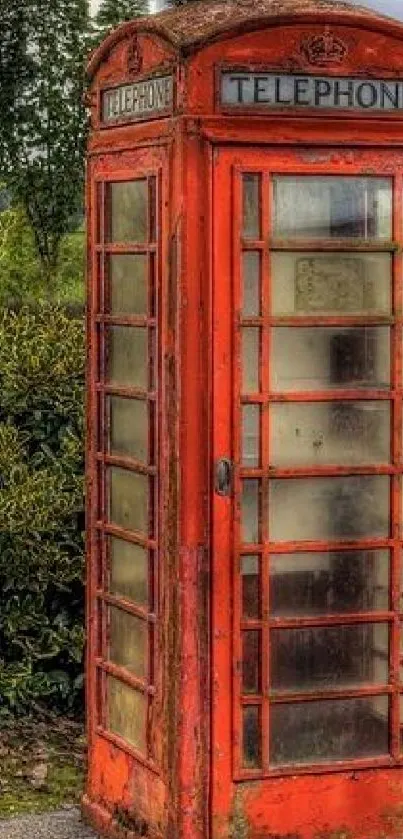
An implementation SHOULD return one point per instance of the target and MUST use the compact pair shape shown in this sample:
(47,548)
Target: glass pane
(329,657)
(250,435)
(127,713)
(332,283)
(129,427)
(251,283)
(128,209)
(327,730)
(129,571)
(250,511)
(128,642)
(128,499)
(127,356)
(319,433)
(251,658)
(323,358)
(328,508)
(251,206)
(250,587)
(128,284)
(251,737)
(306,584)
(307,207)
(250,360)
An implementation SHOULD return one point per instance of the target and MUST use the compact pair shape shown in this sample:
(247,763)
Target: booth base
(102,821)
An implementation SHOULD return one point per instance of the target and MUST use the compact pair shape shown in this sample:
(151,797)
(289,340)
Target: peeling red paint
(190,785)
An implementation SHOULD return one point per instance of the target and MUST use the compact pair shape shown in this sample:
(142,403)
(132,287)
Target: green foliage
(113,12)
(21,275)
(41,508)
(44,121)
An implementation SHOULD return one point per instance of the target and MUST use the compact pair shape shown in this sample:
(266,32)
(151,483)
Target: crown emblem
(134,56)
(324,50)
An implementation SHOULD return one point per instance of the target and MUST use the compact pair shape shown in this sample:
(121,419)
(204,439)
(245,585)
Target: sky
(387,7)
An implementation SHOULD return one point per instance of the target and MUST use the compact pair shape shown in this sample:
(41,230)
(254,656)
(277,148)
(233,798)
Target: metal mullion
(128,749)
(282,698)
(253,244)
(102,349)
(265,464)
(327,546)
(396,494)
(141,321)
(236,420)
(126,463)
(127,606)
(251,699)
(317,471)
(330,395)
(317,620)
(330,620)
(286,770)
(343,245)
(128,392)
(126,247)
(124,676)
(135,537)
(302,321)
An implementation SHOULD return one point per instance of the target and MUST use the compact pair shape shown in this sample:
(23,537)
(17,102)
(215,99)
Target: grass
(42,764)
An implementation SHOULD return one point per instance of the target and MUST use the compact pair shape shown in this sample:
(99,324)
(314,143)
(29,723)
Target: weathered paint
(192,788)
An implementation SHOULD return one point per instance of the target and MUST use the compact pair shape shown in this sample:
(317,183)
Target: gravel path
(64,824)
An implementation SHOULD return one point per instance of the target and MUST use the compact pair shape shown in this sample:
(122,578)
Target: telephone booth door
(307,316)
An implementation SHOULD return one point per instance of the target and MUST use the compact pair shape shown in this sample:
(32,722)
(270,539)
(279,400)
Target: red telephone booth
(245,449)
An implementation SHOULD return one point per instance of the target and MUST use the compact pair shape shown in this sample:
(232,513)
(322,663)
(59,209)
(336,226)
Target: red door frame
(341,800)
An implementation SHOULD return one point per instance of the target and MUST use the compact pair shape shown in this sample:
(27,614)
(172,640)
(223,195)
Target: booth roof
(195,24)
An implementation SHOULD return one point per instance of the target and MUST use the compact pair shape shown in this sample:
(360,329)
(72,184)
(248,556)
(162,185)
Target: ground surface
(63,824)
(42,768)
(42,765)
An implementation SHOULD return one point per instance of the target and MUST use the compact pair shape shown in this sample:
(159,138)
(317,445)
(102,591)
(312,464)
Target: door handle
(223,476)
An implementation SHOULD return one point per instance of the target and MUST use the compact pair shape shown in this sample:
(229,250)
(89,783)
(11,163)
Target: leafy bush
(41,508)
(21,275)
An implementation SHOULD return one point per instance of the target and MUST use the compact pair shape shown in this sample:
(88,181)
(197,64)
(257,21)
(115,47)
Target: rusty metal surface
(195,787)
(192,26)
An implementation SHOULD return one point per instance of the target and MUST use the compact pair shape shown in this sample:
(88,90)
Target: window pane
(127,363)
(329,508)
(127,713)
(129,427)
(250,511)
(333,283)
(250,435)
(326,358)
(250,359)
(251,283)
(326,730)
(251,206)
(335,207)
(306,584)
(128,284)
(128,499)
(250,587)
(128,211)
(129,571)
(251,737)
(128,642)
(329,657)
(251,660)
(320,433)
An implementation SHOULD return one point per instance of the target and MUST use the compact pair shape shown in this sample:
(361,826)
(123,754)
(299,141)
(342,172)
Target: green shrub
(41,508)
(21,275)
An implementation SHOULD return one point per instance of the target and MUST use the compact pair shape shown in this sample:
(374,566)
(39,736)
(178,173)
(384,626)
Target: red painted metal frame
(229,442)
(101,458)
